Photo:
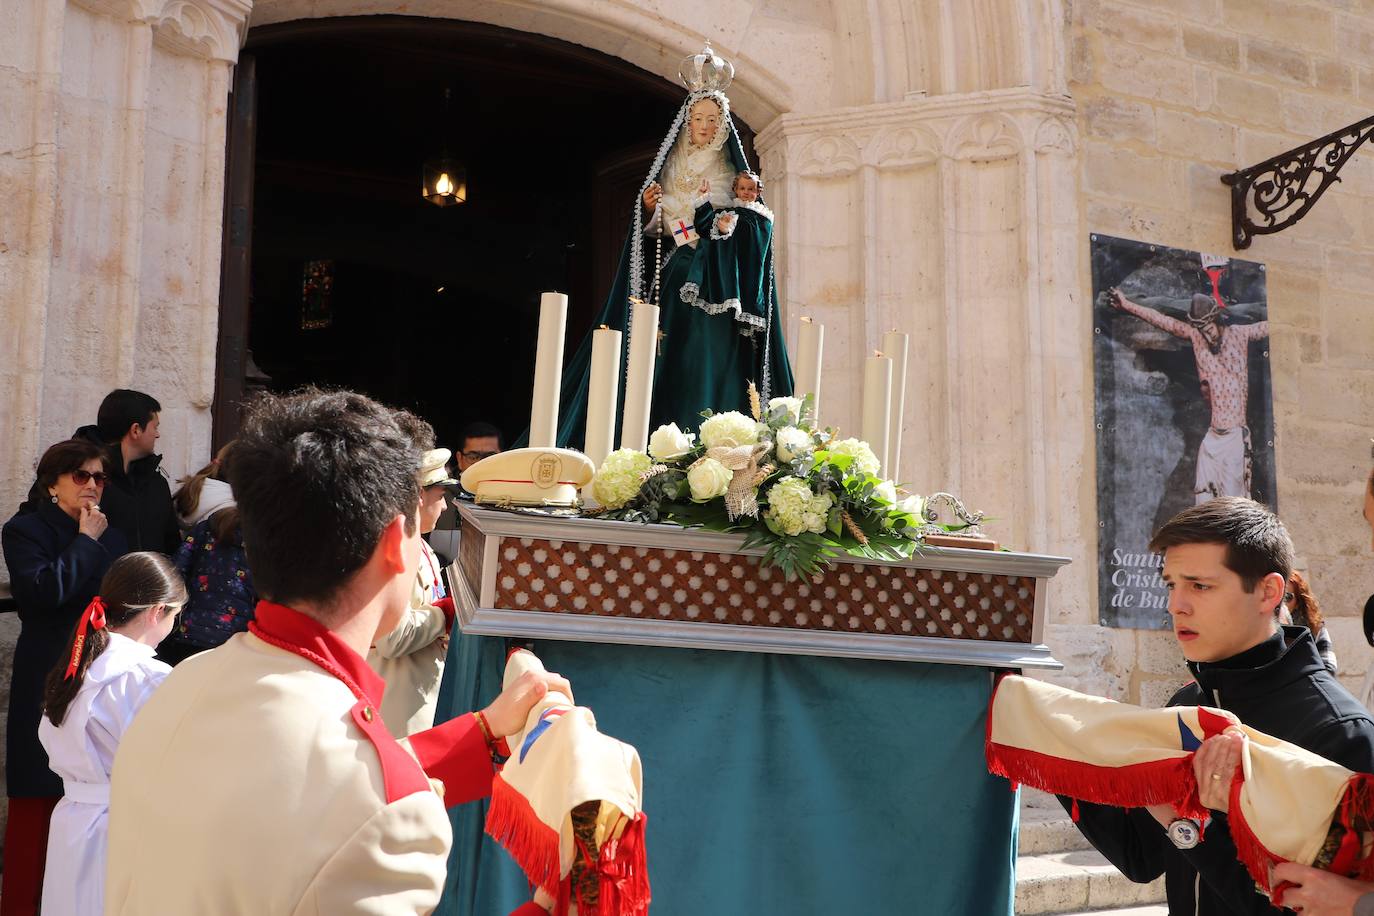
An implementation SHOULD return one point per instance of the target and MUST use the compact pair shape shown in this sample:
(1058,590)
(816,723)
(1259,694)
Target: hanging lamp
(444,180)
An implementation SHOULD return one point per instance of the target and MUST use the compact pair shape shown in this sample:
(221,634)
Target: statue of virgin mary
(719,328)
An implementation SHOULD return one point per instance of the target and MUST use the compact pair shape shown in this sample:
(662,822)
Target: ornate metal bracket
(962,516)
(1284,188)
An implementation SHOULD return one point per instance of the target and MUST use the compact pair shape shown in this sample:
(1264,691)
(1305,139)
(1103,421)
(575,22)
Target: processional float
(809,706)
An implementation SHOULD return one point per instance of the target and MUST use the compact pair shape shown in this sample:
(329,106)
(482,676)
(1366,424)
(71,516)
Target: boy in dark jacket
(138,499)
(1226,565)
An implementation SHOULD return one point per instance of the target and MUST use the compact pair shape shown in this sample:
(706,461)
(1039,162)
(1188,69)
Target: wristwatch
(1184,832)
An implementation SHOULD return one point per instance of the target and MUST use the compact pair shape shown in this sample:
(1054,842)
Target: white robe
(82,752)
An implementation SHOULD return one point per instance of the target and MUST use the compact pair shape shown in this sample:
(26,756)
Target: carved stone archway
(769,78)
(924,170)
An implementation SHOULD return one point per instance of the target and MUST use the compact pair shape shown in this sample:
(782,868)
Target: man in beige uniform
(259,779)
(411,657)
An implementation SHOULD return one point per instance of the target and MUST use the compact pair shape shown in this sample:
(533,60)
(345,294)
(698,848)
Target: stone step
(1039,838)
(1046,827)
(1076,881)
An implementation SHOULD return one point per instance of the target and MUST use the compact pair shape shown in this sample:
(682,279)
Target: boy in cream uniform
(411,657)
(260,779)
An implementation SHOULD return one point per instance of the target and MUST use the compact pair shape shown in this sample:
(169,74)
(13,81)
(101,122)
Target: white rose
(669,442)
(793,443)
(914,505)
(708,479)
(887,492)
(731,428)
(791,408)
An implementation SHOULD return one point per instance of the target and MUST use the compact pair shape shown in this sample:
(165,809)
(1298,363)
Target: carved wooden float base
(521,574)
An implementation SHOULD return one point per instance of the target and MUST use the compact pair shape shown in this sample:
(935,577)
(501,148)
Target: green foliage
(861,501)
(798,557)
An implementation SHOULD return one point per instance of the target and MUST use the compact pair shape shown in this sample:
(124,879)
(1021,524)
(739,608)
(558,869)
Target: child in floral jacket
(213,563)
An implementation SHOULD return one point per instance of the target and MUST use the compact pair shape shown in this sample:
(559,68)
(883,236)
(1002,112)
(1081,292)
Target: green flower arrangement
(794,489)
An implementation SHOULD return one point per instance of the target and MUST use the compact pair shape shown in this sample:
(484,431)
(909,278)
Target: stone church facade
(936,166)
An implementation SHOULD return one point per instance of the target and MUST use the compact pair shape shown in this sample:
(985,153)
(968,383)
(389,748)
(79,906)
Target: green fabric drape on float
(775,784)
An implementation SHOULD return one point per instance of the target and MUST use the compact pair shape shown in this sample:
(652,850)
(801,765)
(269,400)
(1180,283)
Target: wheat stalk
(654,471)
(853,527)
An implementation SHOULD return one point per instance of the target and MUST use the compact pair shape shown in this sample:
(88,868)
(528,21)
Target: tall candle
(877,406)
(602,390)
(639,383)
(810,341)
(895,345)
(548,370)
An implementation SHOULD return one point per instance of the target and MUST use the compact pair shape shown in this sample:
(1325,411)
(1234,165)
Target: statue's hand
(705,187)
(652,195)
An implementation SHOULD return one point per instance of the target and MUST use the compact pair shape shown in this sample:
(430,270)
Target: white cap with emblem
(530,477)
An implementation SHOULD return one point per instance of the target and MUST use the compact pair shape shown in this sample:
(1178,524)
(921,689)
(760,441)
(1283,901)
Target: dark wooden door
(615,183)
(231,355)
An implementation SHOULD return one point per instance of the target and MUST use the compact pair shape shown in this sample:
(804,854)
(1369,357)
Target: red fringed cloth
(567,807)
(1284,800)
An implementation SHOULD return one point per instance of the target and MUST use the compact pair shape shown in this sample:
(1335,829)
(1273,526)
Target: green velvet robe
(731,274)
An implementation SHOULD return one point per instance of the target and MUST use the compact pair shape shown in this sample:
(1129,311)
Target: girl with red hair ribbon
(106,675)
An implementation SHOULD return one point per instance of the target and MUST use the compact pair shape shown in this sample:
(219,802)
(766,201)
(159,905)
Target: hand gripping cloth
(566,806)
(1285,801)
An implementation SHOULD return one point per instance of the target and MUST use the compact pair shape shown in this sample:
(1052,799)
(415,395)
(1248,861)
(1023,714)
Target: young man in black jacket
(137,500)
(1226,565)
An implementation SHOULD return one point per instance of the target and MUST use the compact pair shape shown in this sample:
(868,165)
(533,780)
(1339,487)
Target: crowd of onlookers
(116,577)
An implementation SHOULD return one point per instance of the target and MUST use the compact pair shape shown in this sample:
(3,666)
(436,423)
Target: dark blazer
(54,573)
(1281,687)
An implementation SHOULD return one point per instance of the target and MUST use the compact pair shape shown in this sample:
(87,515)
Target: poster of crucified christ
(1183,406)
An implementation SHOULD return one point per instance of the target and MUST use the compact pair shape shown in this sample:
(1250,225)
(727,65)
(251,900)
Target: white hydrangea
(793,443)
(669,442)
(794,509)
(708,479)
(617,482)
(864,459)
(791,406)
(730,428)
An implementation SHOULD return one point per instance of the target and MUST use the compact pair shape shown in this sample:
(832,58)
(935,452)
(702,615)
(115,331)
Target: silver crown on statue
(705,71)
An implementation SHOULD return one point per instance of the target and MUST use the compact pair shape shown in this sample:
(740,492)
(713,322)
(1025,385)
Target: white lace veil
(676,158)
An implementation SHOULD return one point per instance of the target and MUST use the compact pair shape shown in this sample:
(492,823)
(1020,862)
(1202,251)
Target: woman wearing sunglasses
(57,549)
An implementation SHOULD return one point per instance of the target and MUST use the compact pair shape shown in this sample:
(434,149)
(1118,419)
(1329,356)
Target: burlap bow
(741,497)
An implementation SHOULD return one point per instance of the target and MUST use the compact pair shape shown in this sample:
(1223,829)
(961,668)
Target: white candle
(877,406)
(639,385)
(548,370)
(602,390)
(895,346)
(807,372)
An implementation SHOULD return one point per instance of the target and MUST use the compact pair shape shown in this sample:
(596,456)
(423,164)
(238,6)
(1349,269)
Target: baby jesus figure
(731,272)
